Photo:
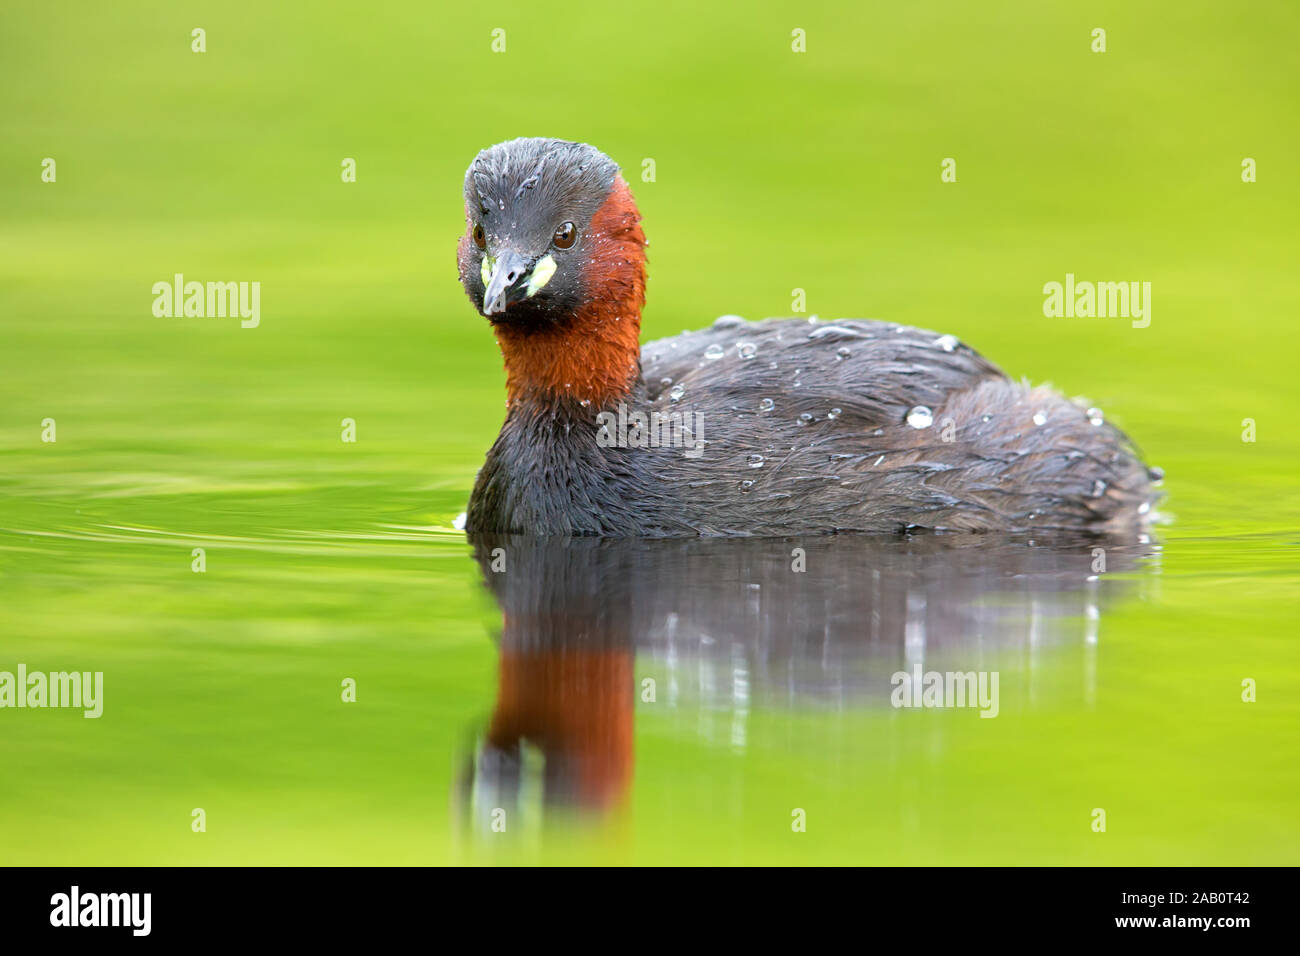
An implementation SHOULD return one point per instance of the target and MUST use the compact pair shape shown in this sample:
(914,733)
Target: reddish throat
(595,355)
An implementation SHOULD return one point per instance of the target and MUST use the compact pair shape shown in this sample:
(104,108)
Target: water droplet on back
(920,417)
(835,332)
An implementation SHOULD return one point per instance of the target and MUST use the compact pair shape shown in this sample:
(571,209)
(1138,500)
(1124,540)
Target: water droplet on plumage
(714,352)
(1095,417)
(946,342)
(805,418)
(1040,418)
(755,461)
(833,413)
(766,405)
(834,332)
(842,353)
(747,350)
(920,417)
(728,321)
(1098,488)
(677,392)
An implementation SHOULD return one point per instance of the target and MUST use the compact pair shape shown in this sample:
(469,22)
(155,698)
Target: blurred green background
(774,171)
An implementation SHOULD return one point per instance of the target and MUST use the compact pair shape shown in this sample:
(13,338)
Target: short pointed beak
(507,276)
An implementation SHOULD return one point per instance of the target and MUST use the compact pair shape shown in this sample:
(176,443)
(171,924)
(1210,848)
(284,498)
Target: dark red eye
(480,237)
(565,236)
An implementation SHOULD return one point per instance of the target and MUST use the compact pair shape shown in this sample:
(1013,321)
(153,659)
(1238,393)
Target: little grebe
(778,427)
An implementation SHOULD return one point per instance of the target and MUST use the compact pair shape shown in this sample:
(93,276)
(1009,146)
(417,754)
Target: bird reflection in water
(594,628)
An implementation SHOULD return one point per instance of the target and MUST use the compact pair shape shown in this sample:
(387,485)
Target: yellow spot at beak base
(541,274)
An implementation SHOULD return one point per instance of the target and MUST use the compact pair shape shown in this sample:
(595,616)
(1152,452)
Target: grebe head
(529,206)
(554,256)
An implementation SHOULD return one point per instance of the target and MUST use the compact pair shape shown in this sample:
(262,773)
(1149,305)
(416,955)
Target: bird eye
(565,236)
(480,238)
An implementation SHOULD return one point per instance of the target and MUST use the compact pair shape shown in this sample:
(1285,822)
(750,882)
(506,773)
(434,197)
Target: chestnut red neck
(595,354)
